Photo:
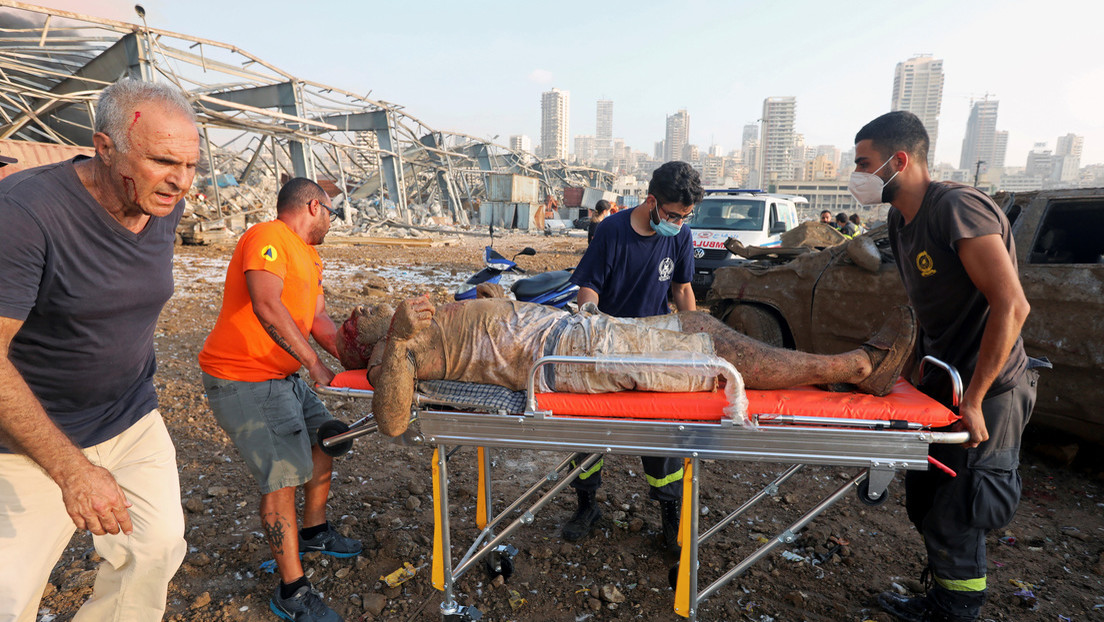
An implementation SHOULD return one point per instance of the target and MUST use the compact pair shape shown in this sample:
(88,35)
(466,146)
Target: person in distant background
(601,210)
(846,227)
(855,220)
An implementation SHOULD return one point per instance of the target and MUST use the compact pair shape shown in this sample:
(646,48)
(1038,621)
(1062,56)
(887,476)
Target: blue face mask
(663,227)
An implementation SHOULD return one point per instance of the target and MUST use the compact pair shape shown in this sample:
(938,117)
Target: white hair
(113,111)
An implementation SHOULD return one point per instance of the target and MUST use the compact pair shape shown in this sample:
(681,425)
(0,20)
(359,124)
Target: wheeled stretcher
(798,427)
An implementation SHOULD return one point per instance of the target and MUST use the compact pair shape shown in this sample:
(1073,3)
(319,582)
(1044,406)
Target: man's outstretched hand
(413,315)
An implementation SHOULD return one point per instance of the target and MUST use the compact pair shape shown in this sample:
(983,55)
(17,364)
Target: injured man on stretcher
(497,340)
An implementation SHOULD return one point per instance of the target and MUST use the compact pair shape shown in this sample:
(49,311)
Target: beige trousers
(133,579)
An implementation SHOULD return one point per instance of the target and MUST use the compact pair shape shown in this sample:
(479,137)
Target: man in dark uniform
(955,252)
(636,258)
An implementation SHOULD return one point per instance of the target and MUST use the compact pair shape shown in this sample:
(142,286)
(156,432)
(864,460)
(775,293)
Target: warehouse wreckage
(258,124)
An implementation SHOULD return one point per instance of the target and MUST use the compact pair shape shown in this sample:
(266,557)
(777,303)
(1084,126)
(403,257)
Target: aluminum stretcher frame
(799,441)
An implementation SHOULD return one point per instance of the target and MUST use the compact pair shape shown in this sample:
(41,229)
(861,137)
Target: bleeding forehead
(152,121)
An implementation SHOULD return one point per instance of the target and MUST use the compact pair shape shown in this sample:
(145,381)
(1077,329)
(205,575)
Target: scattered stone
(611,594)
(498,581)
(201,601)
(199,560)
(797,599)
(601,496)
(374,603)
(218,491)
(636,524)
(342,573)
(413,503)
(594,604)
(193,505)
(84,579)
(541,553)
(416,488)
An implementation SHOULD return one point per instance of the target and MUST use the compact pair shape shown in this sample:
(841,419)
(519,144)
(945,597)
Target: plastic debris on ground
(400,576)
(516,600)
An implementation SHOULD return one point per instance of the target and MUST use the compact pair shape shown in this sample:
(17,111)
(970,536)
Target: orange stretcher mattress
(904,403)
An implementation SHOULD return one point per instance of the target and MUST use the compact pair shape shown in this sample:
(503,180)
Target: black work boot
(670,512)
(906,609)
(588,513)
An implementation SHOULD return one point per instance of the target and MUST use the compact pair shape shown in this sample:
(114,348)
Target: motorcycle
(548,288)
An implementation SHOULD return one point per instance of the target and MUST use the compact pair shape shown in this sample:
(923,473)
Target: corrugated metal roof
(31,154)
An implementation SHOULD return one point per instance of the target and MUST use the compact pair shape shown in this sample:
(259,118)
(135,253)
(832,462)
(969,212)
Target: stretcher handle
(714,365)
(956,379)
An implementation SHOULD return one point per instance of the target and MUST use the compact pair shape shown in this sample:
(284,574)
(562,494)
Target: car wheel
(757,323)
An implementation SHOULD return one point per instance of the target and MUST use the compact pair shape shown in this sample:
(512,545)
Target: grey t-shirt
(950,309)
(88,292)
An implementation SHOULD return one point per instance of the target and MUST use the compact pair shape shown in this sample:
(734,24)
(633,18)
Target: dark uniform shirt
(950,309)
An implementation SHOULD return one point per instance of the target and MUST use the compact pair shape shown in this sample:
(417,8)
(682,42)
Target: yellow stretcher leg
(438,553)
(481,497)
(682,588)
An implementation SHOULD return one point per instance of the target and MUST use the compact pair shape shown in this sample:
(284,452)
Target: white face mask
(867,187)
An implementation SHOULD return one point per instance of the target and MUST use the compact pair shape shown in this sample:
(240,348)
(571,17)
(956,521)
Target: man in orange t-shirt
(272,303)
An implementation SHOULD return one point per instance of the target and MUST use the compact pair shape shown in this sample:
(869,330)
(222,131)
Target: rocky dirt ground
(1047,565)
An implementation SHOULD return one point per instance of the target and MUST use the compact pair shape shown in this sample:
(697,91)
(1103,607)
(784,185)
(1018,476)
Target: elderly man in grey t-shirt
(85,270)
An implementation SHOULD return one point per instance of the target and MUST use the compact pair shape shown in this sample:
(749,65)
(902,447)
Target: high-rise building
(584,148)
(751,132)
(1040,162)
(1067,155)
(983,143)
(521,142)
(713,170)
(678,135)
(918,88)
(777,139)
(555,119)
(603,132)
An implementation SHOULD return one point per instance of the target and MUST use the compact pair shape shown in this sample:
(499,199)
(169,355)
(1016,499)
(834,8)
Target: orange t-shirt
(239,348)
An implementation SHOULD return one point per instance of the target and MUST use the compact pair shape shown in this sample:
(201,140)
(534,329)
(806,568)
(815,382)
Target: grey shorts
(272,423)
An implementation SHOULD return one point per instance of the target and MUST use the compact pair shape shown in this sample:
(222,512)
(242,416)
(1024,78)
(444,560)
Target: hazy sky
(479,67)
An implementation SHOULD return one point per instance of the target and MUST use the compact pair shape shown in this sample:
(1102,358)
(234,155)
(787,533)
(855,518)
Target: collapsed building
(260,125)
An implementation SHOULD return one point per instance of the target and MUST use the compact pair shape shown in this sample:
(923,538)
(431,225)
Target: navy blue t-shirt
(632,273)
(88,292)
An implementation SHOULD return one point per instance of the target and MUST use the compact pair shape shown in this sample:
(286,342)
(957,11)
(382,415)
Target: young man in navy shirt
(635,259)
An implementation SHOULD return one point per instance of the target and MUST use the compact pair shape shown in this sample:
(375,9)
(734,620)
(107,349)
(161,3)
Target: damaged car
(827,301)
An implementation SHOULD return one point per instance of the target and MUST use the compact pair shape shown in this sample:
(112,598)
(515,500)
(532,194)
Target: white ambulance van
(751,216)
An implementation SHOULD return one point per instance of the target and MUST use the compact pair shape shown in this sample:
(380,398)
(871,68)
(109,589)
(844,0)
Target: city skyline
(452,72)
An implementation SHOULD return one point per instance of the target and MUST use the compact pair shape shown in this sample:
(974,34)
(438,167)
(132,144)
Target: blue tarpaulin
(225,180)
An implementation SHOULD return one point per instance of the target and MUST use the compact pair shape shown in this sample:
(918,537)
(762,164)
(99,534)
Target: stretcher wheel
(333,427)
(499,564)
(864,495)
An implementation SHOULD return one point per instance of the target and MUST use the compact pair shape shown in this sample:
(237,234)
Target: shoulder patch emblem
(925,264)
(269,253)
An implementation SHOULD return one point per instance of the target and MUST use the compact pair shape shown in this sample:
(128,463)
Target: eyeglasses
(675,216)
(334,213)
